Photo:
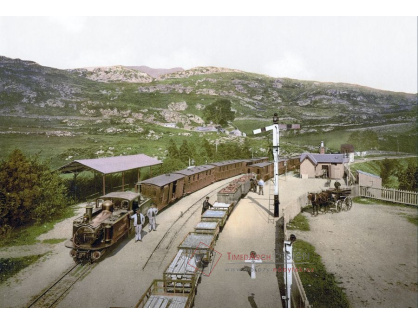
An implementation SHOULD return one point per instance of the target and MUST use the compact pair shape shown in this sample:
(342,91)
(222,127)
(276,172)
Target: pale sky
(379,52)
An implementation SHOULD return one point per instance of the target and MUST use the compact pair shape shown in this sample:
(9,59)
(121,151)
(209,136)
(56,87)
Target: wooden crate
(199,244)
(215,215)
(207,228)
(183,267)
(159,295)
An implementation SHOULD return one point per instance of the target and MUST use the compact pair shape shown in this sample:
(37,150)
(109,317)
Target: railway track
(177,225)
(58,290)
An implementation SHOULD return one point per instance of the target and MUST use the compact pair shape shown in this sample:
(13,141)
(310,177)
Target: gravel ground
(372,250)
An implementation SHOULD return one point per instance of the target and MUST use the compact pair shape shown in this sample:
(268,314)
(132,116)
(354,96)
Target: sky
(374,51)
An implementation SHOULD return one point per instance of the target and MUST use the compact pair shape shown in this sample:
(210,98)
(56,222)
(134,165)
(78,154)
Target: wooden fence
(393,195)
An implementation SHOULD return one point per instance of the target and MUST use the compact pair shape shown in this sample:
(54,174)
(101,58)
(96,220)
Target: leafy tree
(387,169)
(408,178)
(172,164)
(208,150)
(172,149)
(185,152)
(32,190)
(219,112)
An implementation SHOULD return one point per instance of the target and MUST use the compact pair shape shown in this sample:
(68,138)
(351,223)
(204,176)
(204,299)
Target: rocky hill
(130,97)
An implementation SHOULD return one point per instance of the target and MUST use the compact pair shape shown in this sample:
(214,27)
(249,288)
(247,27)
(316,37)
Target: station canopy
(110,165)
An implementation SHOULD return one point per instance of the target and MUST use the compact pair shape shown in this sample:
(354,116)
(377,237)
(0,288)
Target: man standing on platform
(152,213)
(138,224)
(261,187)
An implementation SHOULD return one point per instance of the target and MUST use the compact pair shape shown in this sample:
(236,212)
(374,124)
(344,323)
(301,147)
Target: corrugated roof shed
(110,164)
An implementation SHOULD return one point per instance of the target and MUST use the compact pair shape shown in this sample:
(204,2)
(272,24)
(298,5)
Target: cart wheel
(339,206)
(348,203)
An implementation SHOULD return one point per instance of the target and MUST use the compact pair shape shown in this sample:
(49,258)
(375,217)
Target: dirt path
(372,250)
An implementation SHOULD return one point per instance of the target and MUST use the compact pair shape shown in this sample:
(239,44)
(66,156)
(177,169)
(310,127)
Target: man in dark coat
(206,205)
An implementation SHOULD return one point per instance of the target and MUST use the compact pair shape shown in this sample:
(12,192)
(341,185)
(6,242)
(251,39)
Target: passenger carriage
(198,177)
(264,170)
(228,169)
(163,189)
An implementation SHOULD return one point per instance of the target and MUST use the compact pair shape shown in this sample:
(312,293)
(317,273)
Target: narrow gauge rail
(58,290)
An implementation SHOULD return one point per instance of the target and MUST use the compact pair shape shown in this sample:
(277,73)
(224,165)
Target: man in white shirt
(261,187)
(138,223)
(151,213)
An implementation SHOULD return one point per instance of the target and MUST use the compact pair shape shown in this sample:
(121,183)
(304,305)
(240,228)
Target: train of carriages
(107,220)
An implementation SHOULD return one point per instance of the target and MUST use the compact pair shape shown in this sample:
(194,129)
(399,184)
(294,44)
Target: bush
(32,191)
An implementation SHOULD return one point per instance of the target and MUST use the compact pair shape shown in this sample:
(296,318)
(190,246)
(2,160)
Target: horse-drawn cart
(334,200)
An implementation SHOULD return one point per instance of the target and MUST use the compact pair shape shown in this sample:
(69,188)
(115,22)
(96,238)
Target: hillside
(126,100)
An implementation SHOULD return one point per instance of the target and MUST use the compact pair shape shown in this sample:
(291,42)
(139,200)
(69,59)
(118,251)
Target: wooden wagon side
(159,295)
(182,267)
(199,244)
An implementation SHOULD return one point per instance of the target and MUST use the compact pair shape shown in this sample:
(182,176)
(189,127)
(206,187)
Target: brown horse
(314,199)
(320,201)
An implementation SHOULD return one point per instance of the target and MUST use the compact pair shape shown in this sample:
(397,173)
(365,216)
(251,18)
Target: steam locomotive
(104,224)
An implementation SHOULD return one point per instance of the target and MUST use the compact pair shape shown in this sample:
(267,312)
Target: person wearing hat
(206,205)
(151,213)
(138,225)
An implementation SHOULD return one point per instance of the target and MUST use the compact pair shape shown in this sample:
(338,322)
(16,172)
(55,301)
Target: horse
(314,199)
(253,185)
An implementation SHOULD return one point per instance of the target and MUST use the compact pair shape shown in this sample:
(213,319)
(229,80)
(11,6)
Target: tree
(219,112)
(32,191)
(185,152)
(172,164)
(172,149)
(208,149)
(387,169)
(408,178)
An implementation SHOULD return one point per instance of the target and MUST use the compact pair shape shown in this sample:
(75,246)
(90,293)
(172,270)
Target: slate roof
(324,158)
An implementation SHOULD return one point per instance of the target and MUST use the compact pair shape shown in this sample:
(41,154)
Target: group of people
(139,221)
(259,183)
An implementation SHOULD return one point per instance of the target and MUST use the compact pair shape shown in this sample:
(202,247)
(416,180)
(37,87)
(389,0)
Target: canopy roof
(110,164)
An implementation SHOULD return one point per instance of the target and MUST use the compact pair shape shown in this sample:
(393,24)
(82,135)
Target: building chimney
(322,148)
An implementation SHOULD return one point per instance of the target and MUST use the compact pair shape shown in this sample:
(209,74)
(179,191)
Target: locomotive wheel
(348,203)
(339,206)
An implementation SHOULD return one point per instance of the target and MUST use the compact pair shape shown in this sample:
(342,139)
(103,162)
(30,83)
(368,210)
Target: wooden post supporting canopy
(104,184)
(123,181)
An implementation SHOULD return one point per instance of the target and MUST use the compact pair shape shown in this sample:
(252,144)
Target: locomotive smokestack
(89,211)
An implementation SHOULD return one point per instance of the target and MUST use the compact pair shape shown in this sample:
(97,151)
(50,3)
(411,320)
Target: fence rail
(388,194)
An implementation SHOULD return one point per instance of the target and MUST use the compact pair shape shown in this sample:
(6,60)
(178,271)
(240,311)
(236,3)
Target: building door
(325,171)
